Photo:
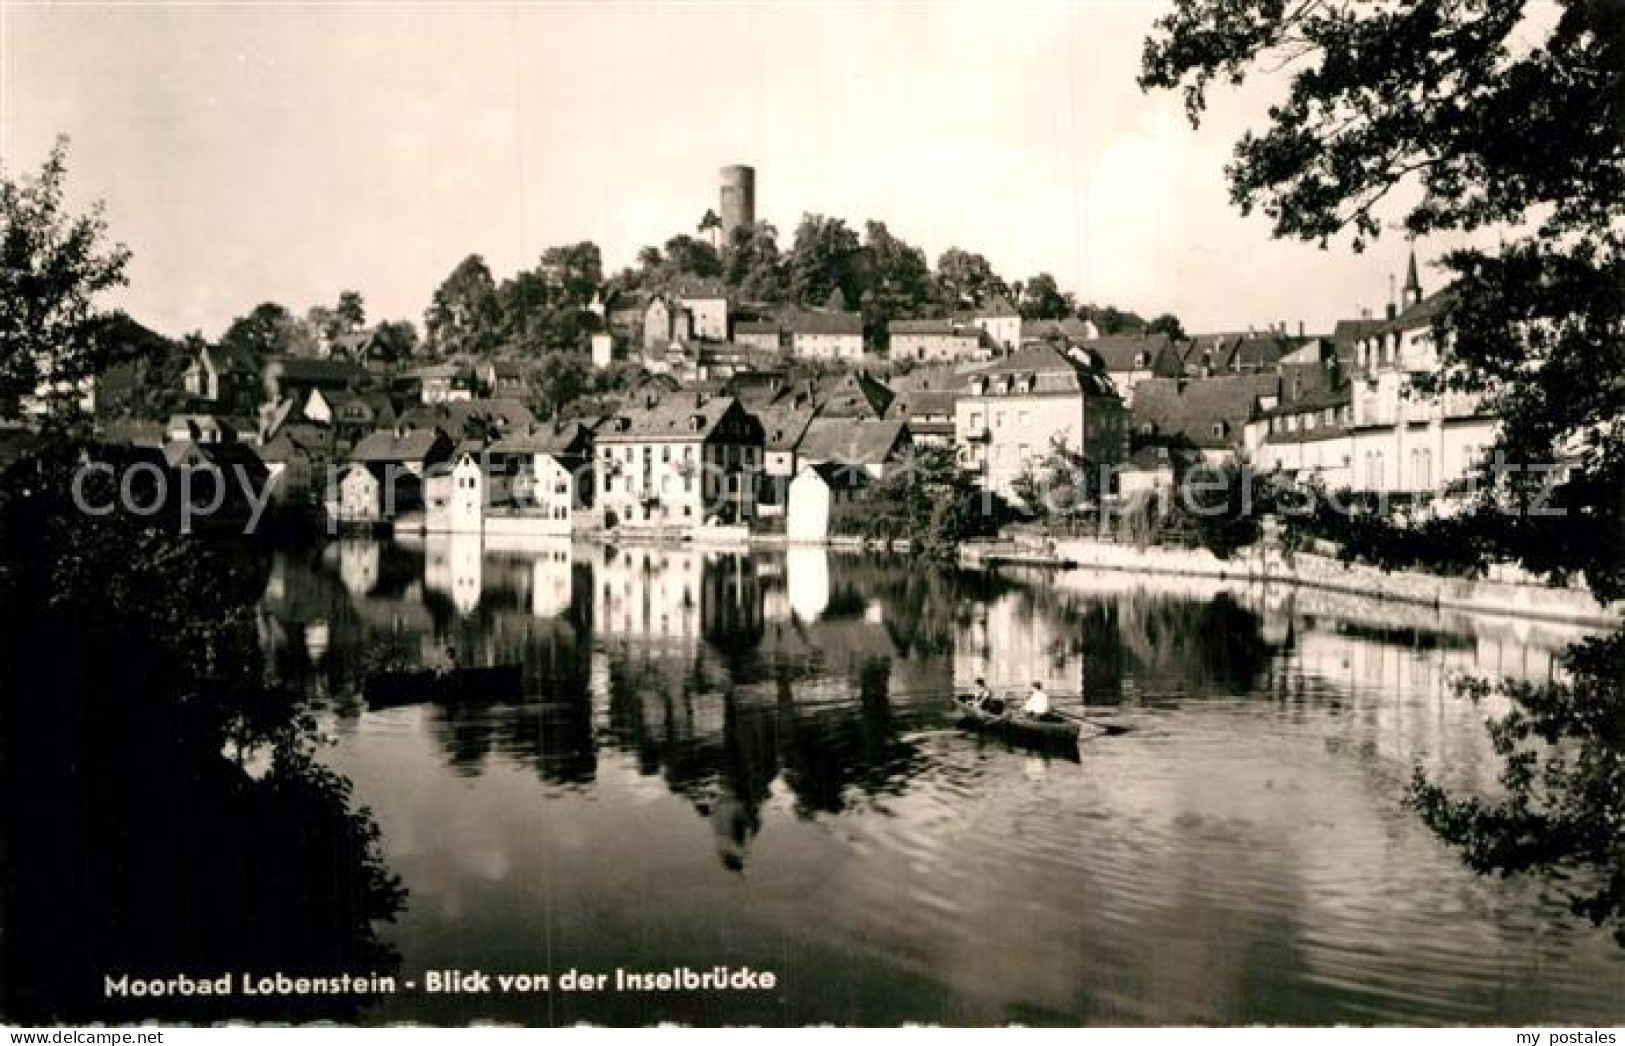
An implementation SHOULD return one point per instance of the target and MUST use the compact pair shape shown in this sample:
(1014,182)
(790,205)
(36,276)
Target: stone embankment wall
(1505,592)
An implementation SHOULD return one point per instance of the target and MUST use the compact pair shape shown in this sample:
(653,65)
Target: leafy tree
(820,260)
(1167,324)
(897,283)
(1111,320)
(464,315)
(1041,299)
(559,380)
(55,265)
(687,256)
(350,314)
(400,337)
(751,264)
(1482,116)
(268,329)
(927,499)
(966,279)
(577,269)
(1059,483)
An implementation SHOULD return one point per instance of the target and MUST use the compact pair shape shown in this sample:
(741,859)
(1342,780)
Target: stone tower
(738,199)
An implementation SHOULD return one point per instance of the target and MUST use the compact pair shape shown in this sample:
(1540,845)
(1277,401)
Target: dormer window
(1218,430)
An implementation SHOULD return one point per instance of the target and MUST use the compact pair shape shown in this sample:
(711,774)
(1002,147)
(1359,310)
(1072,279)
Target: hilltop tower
(738,198)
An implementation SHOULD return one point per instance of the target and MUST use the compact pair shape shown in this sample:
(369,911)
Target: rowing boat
(454,686)
(1012,725)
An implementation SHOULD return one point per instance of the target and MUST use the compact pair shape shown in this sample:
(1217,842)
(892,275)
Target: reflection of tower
(738,199)
(806,573)
(551,577)
(466,556)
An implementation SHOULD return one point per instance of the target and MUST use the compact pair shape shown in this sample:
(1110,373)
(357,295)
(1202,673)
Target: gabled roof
(1188,410)
(939,327)
(1120,353)
(854,395)
(235,458)
(839,475)
(1052,371)
(696,288)
(231,359)
(784,426)
(1069,327)
(386,445)
(674,420)
(852,441)
(823,321)
(301,370)
(503,415)
(562,438)
(998,309)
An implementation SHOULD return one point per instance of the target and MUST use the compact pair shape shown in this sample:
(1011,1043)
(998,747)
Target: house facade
(1405,441)
(706,302)
(1010,414)
(826,334)
(678,463)
(937,341)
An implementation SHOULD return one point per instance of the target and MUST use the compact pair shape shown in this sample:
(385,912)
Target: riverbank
(1507,593)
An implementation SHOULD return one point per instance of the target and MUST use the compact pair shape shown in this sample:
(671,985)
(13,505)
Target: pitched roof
(1189,410)
(939,327)
(784,426)
(852,442)
(998,308)
(698,288)
(303,370)
(839,475)
(1052,371)
(674,420)
(855,394)
(411,445)
(823,321)
(1122,352)
(561,438)
(504,415)
(1069,327)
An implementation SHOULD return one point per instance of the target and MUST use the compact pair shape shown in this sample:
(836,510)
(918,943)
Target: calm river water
(746,759)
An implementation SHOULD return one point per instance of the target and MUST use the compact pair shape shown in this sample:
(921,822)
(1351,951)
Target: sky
(285,152)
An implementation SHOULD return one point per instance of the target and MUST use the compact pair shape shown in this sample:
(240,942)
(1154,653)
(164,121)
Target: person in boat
(448,663)
(982,699)
(1037,706)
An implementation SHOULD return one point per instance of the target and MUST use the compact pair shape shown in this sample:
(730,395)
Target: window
(665,453)
(998,420)
(1021,417)
(975,419)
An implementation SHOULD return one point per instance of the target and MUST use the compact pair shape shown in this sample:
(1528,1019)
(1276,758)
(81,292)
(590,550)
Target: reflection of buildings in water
(453,565)
(676,595)
(1010,642)
(316,636)
(551,574)
(358,563)
(648,593)
(806,582)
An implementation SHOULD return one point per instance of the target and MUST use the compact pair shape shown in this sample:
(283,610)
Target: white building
(815,494)
(1404,441)
(679,463)
(1011,412)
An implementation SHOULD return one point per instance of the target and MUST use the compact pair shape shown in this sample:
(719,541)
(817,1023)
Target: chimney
(1300,328)
(1392,311)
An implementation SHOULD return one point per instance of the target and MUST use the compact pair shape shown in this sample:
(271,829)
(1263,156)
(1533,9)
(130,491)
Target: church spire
(1413,286)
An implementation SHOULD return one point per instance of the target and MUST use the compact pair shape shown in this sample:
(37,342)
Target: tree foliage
(55,266)
(1466,115)
(464,315)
